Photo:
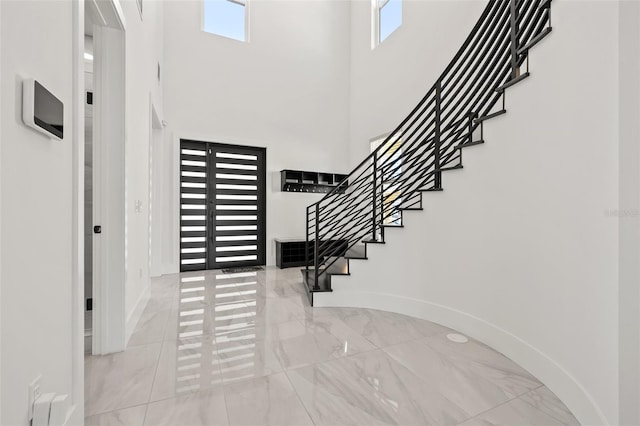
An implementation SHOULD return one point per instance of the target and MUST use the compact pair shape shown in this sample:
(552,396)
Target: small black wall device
(41,110)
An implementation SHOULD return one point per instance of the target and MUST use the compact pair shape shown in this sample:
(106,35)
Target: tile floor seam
(488,409)
(218,363)
(144,419)
(515,395)
(510,397)
(518,395)
(114,410)
(285,369)
(226,404)
(299,398)
(155,374)
(391,344)
(552,415)
(125,407)
(302,321)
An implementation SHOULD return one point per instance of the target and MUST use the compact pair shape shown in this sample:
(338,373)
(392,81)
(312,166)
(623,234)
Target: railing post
(306,245)
(437,141)
(375,195)
(315,248)
(513,26)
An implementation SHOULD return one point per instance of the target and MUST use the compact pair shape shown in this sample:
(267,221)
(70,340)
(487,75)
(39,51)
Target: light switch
(59,409)
(41,409)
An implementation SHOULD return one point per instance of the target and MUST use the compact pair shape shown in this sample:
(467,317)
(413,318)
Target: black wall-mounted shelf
(303,181)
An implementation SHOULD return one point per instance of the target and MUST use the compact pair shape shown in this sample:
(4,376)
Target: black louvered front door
(222,206)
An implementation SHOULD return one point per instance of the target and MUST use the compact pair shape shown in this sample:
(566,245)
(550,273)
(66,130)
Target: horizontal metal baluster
(487,69)
(488,40)
(477,39)
(491,55)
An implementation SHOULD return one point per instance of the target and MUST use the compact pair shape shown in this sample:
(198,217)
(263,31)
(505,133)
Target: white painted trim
(136,313)
(169,268)
(1,399)
(76,409)
(375,24)
(109,254)
(99,8)
(120,14)
(543,367)
(156,177)
(97,178)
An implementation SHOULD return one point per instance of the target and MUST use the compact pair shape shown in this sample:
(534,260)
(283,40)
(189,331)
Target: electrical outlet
(34,393)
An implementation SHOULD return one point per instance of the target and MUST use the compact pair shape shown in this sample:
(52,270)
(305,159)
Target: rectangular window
(227,18)
(387,19)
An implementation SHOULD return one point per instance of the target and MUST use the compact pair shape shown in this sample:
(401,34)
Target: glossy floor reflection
(246,349)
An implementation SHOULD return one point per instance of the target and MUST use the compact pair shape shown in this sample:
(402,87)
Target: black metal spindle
(375,197)
(438,142)
(306,245)
(316,286)
(513,23)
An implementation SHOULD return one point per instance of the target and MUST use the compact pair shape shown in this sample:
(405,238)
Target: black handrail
(391,179)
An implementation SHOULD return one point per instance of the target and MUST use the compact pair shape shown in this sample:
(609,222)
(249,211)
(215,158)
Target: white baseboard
(545,369)
(169,268)
(136,313)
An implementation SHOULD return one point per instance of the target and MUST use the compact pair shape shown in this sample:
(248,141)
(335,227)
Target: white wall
(629,217)
(1,121)
(144,50)
(286,90)
(36,202)
(520,250)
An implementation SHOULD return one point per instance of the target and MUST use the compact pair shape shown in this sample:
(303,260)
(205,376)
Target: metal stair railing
(385,183)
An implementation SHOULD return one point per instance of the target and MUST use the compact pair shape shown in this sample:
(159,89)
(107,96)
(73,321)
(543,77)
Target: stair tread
(431,190)
(535,40)
(472,143)
(339,265)
(513,81)
(456,167)
(356,252)
(372,241)
(490,116)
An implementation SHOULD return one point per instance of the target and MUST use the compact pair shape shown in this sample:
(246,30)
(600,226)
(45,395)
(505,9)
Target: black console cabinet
(301,181)
(290,251)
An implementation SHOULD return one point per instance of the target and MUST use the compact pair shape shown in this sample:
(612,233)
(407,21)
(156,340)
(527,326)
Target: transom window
(227,18)
(387,16)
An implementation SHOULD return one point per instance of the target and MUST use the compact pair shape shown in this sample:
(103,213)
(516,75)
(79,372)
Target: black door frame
(261,202)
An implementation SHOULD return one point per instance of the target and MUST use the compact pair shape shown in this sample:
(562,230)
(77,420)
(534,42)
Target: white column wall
(36,209)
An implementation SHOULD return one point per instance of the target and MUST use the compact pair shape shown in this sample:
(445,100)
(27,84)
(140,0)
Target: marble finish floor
(247,349)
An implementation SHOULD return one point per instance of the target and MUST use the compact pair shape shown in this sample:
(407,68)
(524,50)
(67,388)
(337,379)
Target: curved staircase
(429,141)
